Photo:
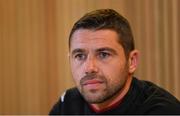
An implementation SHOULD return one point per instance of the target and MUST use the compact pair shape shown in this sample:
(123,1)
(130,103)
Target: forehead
(84,38)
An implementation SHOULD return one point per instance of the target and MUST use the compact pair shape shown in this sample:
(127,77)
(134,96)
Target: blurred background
(34,67)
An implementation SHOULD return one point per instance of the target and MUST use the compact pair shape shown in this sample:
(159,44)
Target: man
(103,59)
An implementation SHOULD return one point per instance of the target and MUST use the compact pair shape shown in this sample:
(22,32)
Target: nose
(91,66)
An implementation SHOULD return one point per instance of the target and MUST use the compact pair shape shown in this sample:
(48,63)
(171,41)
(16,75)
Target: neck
(115,99)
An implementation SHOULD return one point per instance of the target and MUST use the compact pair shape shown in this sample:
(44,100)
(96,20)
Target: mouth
(94,81)
(93,84)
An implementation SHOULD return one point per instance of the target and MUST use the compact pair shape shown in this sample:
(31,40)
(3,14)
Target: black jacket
(143,97)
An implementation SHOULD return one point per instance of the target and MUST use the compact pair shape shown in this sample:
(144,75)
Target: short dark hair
(107,19)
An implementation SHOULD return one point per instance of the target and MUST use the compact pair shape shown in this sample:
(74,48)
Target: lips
(94,81)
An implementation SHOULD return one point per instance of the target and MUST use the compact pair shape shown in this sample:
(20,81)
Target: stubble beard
(101,95)
(106,92)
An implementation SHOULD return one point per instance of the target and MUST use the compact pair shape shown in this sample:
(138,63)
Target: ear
(133,61)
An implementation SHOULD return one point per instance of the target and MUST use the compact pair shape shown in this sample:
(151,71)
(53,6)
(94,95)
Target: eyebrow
(77,50)
(106,49)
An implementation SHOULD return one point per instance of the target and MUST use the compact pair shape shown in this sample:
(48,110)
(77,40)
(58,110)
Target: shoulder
(72,96)
(156,100)
(68,102)
(71,93)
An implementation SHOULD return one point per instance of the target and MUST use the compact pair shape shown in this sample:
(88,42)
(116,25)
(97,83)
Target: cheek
(115,73)
(113,68)
(76,73)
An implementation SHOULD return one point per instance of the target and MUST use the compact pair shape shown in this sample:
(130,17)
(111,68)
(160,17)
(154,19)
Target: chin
(94,97)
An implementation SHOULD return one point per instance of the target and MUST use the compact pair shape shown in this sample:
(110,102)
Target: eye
(80,56)
(103,55)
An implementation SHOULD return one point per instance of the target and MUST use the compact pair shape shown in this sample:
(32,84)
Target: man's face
(98,64)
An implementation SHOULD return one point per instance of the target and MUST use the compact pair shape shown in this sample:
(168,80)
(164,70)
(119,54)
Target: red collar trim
(107,108)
